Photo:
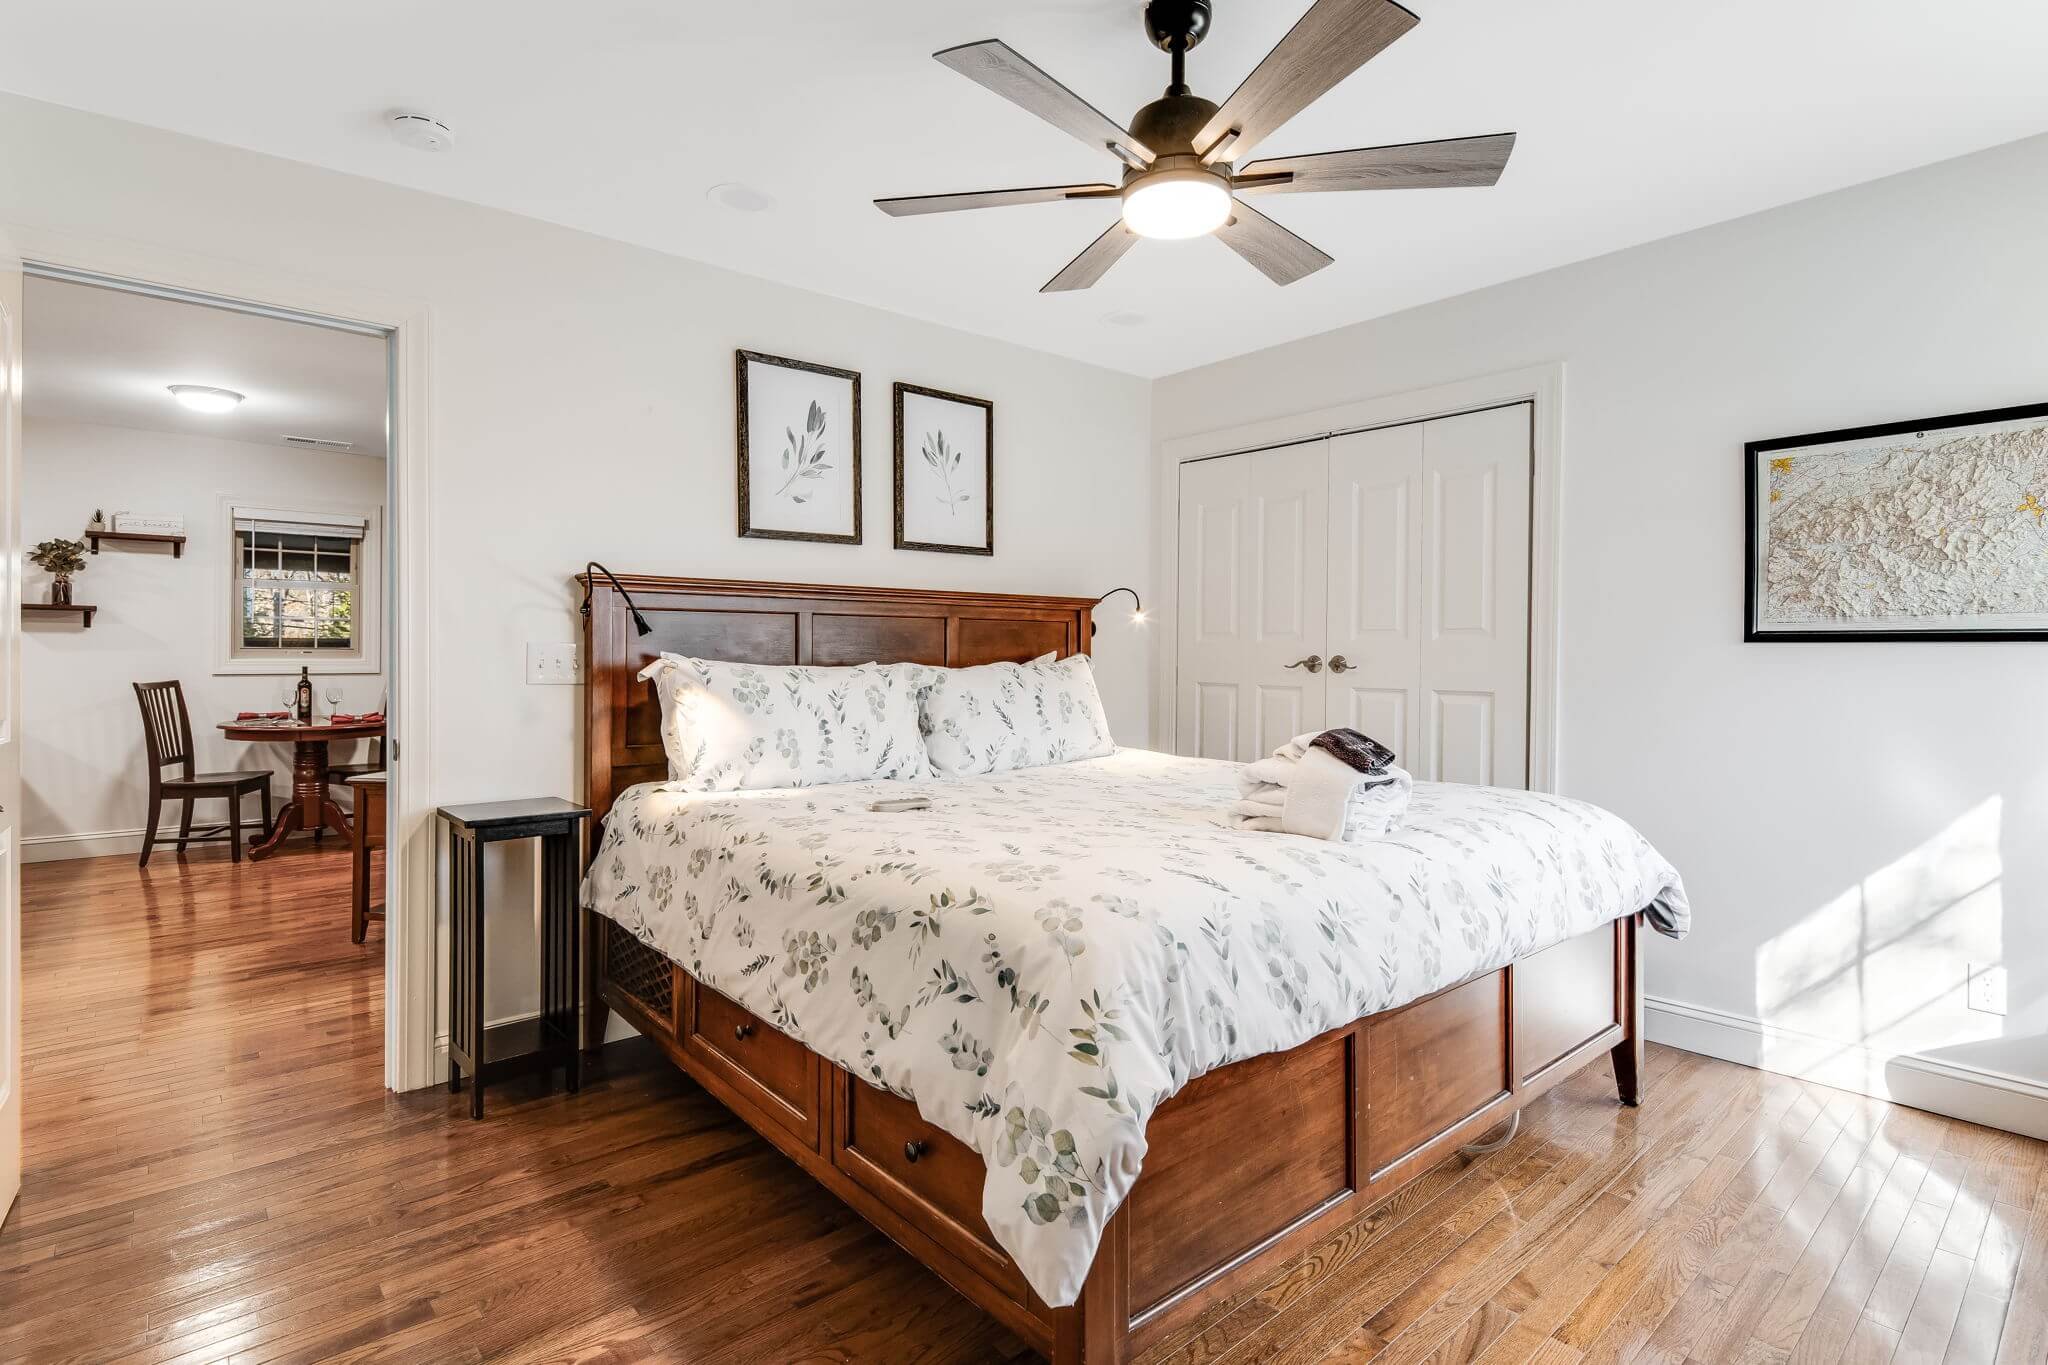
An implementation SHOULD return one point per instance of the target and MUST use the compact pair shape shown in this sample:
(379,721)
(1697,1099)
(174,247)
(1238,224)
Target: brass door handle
(1340,664)
(913,1150)
(1313,663)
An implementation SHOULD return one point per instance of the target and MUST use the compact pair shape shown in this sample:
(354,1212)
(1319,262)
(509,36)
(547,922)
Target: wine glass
(333,695)
(291,700)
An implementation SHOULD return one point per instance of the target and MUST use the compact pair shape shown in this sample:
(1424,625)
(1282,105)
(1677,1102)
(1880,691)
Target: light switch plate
(1987,988)
(553,665)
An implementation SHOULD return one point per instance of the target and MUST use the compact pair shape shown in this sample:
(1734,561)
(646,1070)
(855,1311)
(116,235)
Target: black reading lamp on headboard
(590,581)
(1137,608)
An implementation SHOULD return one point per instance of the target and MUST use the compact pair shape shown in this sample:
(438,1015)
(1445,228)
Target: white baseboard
(615,1029)
(50,848)
(441,1040)
(1975,1095)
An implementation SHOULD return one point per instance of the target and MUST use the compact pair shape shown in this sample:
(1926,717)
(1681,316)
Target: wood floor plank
(2025,1336)
(1924,1339)
(216,1173)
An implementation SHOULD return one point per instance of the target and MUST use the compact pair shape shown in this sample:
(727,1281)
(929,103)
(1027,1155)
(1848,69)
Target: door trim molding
(409,926)
(1542,386)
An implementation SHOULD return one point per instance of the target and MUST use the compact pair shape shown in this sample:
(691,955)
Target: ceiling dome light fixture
(1177,203)
(205,398)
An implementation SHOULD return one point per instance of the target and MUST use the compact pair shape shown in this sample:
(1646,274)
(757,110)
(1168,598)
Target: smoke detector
(421,133)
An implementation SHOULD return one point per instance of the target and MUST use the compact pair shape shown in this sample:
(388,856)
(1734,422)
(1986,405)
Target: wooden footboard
(1365,1109)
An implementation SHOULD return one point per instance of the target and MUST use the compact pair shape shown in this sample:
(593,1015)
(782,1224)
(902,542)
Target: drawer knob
(915,1149)
(740,1031)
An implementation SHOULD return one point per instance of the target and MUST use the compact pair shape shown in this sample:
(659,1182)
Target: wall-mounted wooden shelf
(78,609)
(177,543)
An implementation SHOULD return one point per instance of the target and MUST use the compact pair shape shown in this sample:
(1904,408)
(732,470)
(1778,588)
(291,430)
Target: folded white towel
(1308,790)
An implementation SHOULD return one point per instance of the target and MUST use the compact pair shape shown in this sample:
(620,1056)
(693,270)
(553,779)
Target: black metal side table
(488,1054)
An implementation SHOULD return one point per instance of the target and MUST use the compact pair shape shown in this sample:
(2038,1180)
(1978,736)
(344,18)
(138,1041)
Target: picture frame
(945,488)
(1961,503)
(793,417)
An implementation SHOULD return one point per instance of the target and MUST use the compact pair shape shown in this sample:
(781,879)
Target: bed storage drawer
(774,1072)
(924,1171)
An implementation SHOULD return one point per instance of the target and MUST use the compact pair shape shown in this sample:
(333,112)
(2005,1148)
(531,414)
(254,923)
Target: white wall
(582,407)
(1856,822)
(83,775)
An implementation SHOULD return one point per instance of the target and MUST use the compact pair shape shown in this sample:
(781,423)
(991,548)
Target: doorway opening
(203,742)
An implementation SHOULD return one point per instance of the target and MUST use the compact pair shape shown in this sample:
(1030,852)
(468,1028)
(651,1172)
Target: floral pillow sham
(996,717)
(729,726)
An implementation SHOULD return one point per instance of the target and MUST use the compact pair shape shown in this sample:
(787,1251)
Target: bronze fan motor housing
(1176,25)
(1183,174)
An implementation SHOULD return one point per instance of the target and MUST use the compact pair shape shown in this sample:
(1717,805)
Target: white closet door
(1253,580)
(1475,598)
(1375,604)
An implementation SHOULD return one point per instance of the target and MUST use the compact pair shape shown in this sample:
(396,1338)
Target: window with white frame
(299,587)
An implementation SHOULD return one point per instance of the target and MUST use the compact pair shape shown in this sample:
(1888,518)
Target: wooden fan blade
(1094,262)
(996,65)
(990,199)
(1410,166)
(1275,252)
(1331,41)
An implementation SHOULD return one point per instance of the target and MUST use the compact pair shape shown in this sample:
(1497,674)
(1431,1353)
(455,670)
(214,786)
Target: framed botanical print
(1928,530)
(945,472)
(799,449)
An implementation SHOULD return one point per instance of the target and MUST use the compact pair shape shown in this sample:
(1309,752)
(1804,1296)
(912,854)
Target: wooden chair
(366,831)
(167,732)
(348,772)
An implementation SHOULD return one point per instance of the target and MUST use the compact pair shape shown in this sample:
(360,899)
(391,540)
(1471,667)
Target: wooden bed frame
(1364,1108)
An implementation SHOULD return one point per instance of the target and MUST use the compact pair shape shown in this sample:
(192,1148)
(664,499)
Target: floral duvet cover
(1047,954)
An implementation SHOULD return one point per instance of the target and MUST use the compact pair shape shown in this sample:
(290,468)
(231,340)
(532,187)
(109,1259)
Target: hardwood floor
(215,1173)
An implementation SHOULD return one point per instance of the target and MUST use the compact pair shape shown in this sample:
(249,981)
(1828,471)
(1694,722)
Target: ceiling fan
(1180,176)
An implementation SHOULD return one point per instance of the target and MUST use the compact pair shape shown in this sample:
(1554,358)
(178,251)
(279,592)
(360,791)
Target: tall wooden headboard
(783,623)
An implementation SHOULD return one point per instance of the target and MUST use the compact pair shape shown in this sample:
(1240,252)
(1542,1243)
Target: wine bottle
(304,697)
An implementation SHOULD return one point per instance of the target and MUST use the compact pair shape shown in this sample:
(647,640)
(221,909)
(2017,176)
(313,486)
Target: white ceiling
(101,355)
(1637,120)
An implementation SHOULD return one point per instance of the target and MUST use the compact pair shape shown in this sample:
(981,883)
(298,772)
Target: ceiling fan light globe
(1173,205)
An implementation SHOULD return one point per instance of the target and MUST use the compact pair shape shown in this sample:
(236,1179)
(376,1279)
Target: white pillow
(994,717)
(731,726)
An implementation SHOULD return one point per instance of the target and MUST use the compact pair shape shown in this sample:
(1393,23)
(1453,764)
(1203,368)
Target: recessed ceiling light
(205,398)
(421,133)
(740,198)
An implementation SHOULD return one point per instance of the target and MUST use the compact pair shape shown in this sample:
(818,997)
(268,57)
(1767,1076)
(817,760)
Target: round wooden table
(309,808)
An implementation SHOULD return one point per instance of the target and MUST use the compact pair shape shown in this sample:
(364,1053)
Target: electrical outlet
(553,665)
(1987,988)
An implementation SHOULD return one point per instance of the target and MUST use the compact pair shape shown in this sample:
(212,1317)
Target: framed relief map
(1930,530)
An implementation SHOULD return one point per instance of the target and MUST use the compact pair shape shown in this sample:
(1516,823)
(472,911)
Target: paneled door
(1253,579)
(1419,635)
(1429,593)
(10,726)
(1375,639)
(1475,598)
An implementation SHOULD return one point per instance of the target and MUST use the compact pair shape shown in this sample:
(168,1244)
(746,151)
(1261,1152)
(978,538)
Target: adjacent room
(201,685)
(1115,682)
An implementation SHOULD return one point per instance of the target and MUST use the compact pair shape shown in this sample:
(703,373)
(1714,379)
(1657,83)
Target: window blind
(299,523)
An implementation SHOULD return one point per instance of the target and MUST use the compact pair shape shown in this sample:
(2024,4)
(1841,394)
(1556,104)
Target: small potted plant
(60,558)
